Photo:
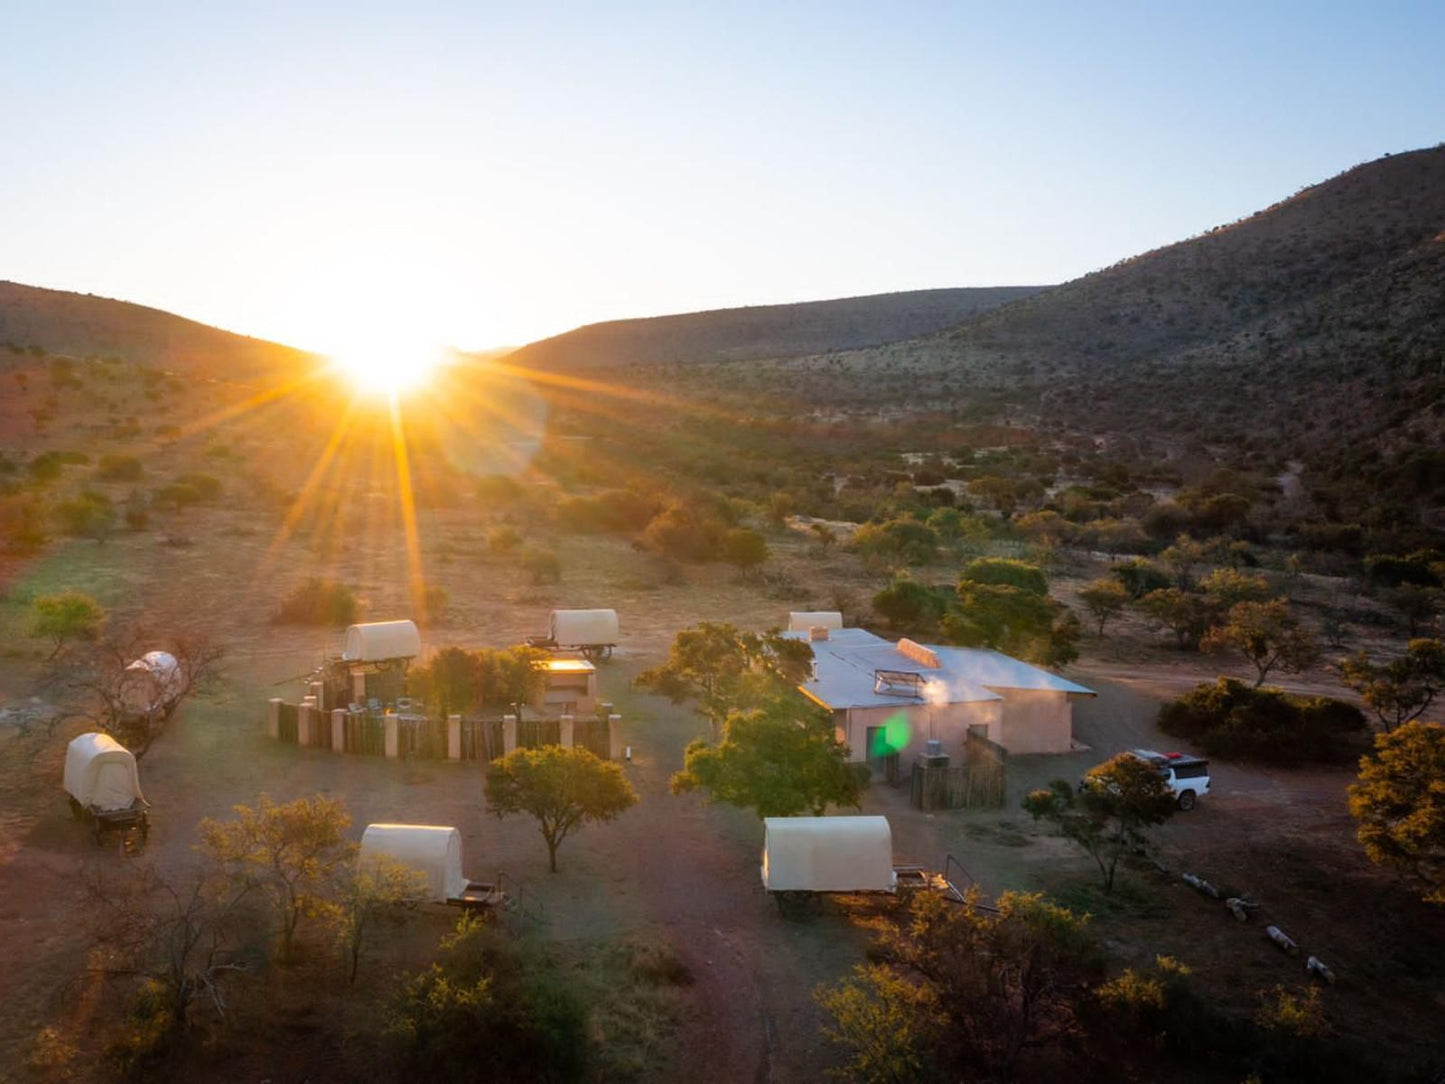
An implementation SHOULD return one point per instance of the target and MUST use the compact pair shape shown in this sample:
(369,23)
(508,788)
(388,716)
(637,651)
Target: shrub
(1230,719)
(544,566)
(679,532)
(744,549)
(319,602)
(914,542)
(87,515)
(498,489)
(1140,577)
(1005,572)
(906,603)
(503,539)
(119,468)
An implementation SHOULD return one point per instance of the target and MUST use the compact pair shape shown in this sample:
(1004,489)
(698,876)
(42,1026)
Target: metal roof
(847,663)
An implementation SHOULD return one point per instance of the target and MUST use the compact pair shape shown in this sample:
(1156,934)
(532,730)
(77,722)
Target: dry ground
(672,869)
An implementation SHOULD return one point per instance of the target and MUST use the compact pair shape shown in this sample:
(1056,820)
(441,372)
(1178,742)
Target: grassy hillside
(765,331)
(82,325)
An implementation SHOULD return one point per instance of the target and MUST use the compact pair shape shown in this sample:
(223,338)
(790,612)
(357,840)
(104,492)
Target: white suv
(1188,776)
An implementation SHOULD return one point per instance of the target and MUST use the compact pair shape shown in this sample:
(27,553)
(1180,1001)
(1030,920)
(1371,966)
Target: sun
(388,370)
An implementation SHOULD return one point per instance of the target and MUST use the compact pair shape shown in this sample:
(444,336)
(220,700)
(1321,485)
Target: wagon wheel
(77,810)
(145,828)
(592,652)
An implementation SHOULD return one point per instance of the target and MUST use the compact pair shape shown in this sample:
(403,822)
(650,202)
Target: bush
(544,566)
(1005,572)
(86,515)
(913,541)
(906,603)
(1140,577)
(485,1010)
(681,533)
(1230,719)
(503,539)
(118,468)
(318,602)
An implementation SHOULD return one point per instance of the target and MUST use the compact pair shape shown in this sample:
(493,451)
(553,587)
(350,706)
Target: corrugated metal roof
(846,664)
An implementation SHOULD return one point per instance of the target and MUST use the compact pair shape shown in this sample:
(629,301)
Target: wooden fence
(977,783)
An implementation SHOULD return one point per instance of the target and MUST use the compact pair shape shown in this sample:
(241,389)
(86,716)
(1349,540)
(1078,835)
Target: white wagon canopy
(828,854)
(100,773)
(432,849)
(152,683)
(379,641)
(583,628)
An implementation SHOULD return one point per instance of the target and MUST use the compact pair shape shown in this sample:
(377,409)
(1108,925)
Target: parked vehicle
(1187,775)
(104,786)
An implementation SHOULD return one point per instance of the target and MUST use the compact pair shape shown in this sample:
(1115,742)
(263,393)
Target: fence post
(509,734)
(454,737)
(303,723)
(614,737)
(564,732)
(392,749)
(273,717)
(318,690)
(338,730)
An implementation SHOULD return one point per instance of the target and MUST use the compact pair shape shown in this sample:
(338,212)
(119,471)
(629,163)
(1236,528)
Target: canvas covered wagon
(435,851)
(814,856)
(593,632)
(104,786)
(152,685)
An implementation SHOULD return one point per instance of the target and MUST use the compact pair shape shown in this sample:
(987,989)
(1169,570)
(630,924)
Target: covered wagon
(104,785)
(592,632)
(382,641)
(433,850)
(152,685)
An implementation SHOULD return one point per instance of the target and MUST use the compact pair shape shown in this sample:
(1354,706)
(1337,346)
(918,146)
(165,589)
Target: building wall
(950,725)
(1036,721)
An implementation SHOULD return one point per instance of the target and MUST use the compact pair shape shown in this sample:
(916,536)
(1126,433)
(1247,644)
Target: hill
(764,331)
(82,325)
(1312,330)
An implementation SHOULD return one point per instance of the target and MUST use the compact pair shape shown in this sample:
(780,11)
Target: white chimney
(817,632)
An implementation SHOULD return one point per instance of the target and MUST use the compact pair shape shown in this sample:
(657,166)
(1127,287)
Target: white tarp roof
(432,849)
(377,641)
(846,665)
(151,682)
(803,620)
(828,854)
(100,772)
(583,628)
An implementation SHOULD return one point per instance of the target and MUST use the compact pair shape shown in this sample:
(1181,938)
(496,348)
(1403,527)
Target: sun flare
(386,370)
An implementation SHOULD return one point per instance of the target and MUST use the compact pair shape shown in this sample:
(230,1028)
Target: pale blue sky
(327,174)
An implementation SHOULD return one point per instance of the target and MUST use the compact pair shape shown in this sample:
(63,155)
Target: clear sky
(486,174)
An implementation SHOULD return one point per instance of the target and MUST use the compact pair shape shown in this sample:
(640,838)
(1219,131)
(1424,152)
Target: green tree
(745,550)
(1225,587)
(1266,634)
(544,566)
(1012,620)
(1184,557)
(1417,604)
(1232,719)
(1105,599)
(724,669)
(70,615)
(87,515)
(1402,689)
(562,788)
(975,989)
(1184,613)
(291,852)
(1006,572)
(377,892)
(906,603)
(1399,803)
(1110,811)
(449,682)
(779,761)
(1000,492)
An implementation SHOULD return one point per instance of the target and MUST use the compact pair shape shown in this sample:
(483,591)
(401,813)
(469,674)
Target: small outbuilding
(828,854)
(434,850)
(100,774)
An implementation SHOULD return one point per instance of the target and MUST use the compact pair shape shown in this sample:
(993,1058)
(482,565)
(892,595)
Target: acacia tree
(378,891)
(724,669)
(1105,599)
(1402,689)
(70,615)
(779,761)
(1400,804)
(1266,634)
(1109,812)
(745,550)
(1015,620)
(562,788)
(1186,614)
(965,991)
(290,852)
